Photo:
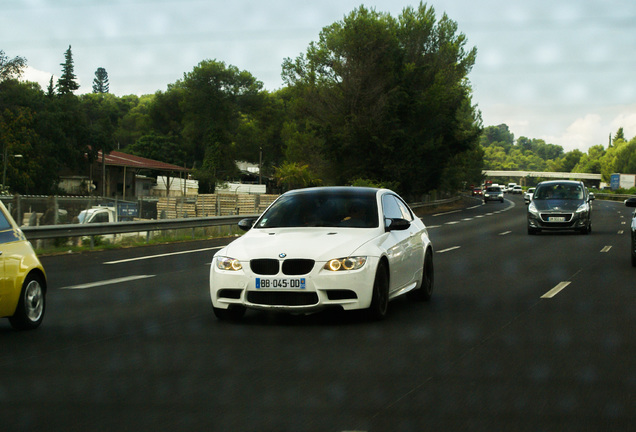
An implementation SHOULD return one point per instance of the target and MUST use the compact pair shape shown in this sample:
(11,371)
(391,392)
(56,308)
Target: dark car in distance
(560,205)
(493,193)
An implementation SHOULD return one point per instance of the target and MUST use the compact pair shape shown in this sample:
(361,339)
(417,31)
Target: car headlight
(344,264)
(582,208)
(227,263)
(533,209)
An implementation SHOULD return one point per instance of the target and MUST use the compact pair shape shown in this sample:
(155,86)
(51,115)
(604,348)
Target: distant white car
(527,196)
(517,190)
(343,247)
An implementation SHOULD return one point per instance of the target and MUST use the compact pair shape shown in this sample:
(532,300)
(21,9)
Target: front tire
(30,310)
(380,300)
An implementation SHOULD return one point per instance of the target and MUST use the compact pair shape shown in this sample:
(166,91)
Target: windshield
(324,209)
(493,189)
(559,192)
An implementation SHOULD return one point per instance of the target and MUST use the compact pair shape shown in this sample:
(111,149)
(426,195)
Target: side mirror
(246,224)
(592,197)
(630,202)
(396,224)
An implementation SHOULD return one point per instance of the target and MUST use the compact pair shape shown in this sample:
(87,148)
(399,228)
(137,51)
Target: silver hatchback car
(560,205)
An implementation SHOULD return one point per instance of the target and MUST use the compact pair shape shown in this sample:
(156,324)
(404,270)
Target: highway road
(524,333)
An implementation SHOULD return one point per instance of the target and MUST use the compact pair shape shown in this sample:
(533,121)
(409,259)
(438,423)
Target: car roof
(568,182)
(353,190)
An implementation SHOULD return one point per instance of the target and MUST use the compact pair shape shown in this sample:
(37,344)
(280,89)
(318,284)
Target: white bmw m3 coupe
(345,247)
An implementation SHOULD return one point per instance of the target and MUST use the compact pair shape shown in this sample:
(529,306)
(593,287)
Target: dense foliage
(376,100)
(502,152)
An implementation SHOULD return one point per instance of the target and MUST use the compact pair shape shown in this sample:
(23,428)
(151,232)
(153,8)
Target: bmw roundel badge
(282,255)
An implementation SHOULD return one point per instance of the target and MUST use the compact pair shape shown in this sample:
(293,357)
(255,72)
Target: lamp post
(4,167)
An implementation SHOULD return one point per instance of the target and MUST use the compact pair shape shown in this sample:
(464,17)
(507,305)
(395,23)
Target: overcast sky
(563,71)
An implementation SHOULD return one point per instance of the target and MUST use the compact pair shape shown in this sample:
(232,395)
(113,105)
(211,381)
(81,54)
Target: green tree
(591,161)
(27,128)
(11,68)
(213,98)
(620,135)
(50,89)
(497,136)
(158,147)
(291,175)
(625,161)
(67,83)
(135,120)
(102,113)
(568,161)
(100,82)
(383,92)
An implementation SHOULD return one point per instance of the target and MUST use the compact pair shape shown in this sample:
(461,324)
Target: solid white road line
(161,255)
(554,291)
(107,282)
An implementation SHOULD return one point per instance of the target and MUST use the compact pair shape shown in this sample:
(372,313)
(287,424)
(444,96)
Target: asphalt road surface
(524,333)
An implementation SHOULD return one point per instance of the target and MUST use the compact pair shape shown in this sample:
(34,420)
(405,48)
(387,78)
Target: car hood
(557,205)
(320,244)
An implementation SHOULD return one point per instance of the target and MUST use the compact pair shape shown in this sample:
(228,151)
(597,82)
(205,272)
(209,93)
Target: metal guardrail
(613,197)
(434,203)
(97,229)
(93,229)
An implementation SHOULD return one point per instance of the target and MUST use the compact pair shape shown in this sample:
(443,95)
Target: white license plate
(278,283)
(556,219)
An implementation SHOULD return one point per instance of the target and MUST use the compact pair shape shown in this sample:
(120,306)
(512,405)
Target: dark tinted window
(329,208)
(559,191)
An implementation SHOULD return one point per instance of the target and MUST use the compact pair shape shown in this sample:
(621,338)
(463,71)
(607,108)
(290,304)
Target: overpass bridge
(595,178)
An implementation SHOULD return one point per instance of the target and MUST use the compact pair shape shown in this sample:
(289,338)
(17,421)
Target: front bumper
(493,198)
(320,289)
(558,221)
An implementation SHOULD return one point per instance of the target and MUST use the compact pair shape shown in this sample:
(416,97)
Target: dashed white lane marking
(505,233)
(449,212)
(162,255)
(448,249)
(606,249)
(107,282)
(554,291)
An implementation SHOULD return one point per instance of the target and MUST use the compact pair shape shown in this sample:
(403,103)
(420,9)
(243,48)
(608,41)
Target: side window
(406,213)
(390,207)
(4,223)
(100,217)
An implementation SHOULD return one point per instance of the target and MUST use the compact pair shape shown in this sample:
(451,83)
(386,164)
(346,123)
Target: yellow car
(22,277)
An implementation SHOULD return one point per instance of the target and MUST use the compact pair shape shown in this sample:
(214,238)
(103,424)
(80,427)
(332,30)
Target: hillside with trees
(376,100)
(503,152)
